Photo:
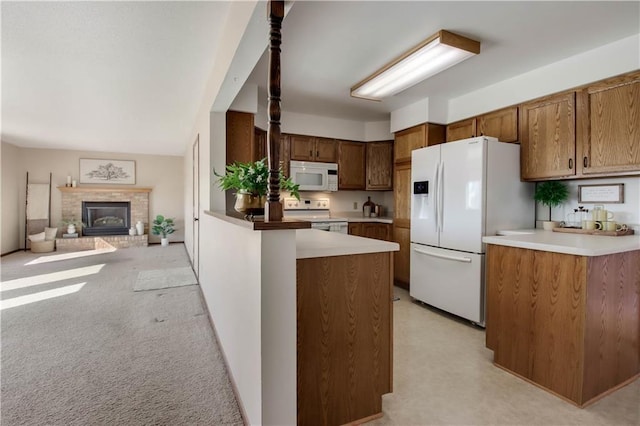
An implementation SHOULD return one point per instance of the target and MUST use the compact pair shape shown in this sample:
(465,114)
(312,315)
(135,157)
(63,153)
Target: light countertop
(357,217)
(577,244)
(315,243)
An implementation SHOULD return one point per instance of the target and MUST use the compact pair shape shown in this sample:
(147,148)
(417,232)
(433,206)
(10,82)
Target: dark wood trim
(11,252)
(259,224)
(273,207)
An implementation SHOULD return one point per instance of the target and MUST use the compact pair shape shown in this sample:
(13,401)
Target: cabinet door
(240,134)
(547,137)
(325,150)
(302,147)
(379,231)
(355,228)
(612,142)
(502,124)
(351,165)
(260,144)
(402,195)
(408,140)
(461,130)
(380,165)
(401,259)
(285,155)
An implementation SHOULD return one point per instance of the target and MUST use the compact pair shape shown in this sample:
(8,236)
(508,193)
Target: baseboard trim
(234,387)
(12,251)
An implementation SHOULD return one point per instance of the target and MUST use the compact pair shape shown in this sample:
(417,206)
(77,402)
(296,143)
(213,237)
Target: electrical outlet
(355,205)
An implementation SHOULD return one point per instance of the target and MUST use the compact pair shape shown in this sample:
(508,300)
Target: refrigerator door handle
(444,256)
(435,197)
(441,197)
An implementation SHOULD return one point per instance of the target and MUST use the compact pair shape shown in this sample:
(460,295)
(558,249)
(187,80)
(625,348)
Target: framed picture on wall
(122,172)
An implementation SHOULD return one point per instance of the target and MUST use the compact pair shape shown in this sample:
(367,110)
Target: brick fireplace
(73,198)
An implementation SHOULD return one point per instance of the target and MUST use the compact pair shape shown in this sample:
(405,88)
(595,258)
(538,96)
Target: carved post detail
(273,208)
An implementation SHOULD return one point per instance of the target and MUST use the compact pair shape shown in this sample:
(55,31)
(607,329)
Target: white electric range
(316,211)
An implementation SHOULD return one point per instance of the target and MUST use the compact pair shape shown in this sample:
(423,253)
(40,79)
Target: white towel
(38,201)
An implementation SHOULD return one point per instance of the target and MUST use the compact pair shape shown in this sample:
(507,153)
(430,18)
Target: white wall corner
(377,131)
(438,110)
(316,125)
(609,60)
(410,115)
(261,119)
(247,99)
(217,158)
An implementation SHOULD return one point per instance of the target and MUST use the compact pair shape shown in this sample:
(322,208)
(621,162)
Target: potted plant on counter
(250,181)
(551,193)
(163,226)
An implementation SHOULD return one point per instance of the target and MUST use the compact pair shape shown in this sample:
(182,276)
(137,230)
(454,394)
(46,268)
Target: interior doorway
(196,206)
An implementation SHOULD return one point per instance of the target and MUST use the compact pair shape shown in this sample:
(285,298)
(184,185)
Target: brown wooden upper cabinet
(501,124)
(311,148)
(407,140)
(351,165)
(609,126)
(240,138)
(379,165)
(461,130)
(402,195)
(548,138)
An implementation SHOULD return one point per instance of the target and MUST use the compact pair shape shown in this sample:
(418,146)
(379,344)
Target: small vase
(132,231)
(71,229)
(140,227)
(249,203)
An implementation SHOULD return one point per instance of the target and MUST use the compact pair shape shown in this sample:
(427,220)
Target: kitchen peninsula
(304,318)
(563,311)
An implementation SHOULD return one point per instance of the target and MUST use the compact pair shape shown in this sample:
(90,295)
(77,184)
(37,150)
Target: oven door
(322,226)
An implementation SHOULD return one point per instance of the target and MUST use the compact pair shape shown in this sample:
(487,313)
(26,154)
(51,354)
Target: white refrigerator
(462,191)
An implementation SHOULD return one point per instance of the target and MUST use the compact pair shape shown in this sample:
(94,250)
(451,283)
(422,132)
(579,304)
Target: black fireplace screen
(106,217)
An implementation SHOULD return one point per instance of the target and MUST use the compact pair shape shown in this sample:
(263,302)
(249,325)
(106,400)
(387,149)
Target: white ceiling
(129,76)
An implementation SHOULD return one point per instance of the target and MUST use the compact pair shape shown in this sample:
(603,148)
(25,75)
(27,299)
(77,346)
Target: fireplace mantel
(103,189)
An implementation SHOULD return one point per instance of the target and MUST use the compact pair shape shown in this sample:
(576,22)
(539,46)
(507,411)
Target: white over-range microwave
(312,176)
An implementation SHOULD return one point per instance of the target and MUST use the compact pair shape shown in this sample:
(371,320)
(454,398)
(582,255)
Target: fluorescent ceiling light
(437,53)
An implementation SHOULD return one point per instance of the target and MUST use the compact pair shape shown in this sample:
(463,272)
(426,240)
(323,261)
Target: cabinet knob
(585,162)
(570,163)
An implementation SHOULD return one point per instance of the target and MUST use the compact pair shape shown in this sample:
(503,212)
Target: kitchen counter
(312,243)
(354,217)
(576,244)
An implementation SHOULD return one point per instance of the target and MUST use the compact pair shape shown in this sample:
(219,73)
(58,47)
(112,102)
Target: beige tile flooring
(443,375)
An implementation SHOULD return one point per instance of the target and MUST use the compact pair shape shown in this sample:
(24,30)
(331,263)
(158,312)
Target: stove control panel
(306,204)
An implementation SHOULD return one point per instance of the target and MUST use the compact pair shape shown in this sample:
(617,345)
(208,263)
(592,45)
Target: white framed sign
(605,193)
(107,171)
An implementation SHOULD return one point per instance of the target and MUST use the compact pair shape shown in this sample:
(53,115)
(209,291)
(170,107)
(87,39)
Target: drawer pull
(570,163)
(585,162)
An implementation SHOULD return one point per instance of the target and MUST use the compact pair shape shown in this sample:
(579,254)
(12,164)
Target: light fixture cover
(437,53)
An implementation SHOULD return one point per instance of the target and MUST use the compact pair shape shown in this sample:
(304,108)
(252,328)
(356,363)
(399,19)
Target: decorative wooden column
(273,207)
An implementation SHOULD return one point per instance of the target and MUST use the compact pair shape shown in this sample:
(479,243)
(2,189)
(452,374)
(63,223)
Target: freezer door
(424,169)
(449,280)
(463,184)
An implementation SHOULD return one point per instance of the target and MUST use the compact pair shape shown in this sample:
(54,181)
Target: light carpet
(156,279)
(106,355)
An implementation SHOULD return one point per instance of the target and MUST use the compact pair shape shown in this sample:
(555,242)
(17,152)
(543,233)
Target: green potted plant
(250,181)
(163,226)
(551,193)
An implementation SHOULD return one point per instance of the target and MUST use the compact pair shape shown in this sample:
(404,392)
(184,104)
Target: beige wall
(164,174)
(12,210)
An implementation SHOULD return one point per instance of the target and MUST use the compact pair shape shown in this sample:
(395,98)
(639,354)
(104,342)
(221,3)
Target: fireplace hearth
(106,218)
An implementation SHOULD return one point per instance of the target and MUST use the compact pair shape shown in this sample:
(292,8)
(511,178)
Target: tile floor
(443,375)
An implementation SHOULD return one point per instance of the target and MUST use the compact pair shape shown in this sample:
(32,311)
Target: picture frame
(105,171)
(611,193)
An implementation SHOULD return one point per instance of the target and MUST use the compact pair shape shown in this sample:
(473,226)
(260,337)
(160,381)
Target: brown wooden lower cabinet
(570,324)
(402,258)
(375,230)
(344,337)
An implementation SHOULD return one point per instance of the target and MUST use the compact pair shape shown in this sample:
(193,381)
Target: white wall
(342,201)
(410,115)
(627,212)
(163,173)
(616,58)
(12,210)
(327,127)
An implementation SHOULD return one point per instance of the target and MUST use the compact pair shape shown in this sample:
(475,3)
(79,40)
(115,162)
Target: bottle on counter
(367,207)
